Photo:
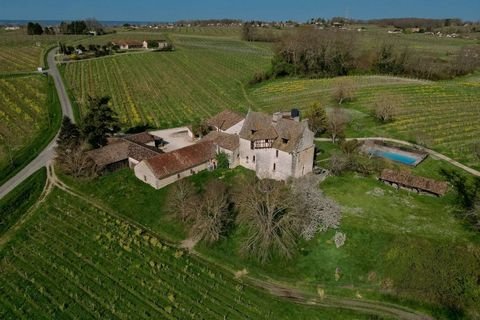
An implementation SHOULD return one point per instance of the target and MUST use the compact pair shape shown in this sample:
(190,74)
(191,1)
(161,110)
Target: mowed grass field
(29,117)
(202,77)
(72,260)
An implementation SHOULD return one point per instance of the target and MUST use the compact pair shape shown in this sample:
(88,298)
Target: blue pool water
(402,158)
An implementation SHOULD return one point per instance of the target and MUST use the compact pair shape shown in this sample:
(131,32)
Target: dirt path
(406,143)
(279,290)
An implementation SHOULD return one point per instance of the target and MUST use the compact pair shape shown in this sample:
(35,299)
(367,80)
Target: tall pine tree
(100,122)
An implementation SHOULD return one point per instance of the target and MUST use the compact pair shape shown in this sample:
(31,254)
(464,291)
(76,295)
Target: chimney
(295,114)
(276,117)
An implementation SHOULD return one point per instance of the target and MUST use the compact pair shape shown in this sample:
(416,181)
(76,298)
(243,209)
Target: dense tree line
(427,24)
(81,26)
(34,28)
(311,52)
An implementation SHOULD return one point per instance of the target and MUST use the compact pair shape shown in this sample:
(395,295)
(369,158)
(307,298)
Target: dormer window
(285,141)
(253,131)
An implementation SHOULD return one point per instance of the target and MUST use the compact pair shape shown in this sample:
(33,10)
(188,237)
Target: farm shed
(121,153)
(403,179)
(170,167)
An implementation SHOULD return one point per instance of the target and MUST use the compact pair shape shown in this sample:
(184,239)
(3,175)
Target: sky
(172,10)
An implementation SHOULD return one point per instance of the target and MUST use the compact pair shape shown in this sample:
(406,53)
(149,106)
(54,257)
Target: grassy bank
(14,205)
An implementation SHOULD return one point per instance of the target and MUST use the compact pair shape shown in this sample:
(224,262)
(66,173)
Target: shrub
(222,161)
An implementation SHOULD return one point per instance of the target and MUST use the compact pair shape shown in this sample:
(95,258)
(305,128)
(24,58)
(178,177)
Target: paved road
(406,143)
(48,153)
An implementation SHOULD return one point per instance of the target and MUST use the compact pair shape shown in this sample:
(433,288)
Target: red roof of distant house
(168,164)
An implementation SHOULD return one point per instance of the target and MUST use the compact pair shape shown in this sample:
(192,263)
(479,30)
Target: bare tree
(319,212)
(93,25)
(75,162)
(266,210)
(344,90)
(211,214)
(337,123)
(182,199)
(339,163)
(386,107)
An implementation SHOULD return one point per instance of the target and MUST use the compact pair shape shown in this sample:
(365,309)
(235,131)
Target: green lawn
(72,260)
(387,232)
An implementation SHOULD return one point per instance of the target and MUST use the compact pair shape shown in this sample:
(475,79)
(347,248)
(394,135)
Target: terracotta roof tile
(286,133)
(121,150)
(223,140)
(143,137)
(408,180)
(225,120)
(167,164)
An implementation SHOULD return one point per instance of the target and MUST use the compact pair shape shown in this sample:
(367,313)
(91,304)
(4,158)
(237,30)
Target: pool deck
(372,149)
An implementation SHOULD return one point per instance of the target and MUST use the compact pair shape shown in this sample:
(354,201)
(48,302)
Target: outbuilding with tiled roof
(404,179)
(167,168)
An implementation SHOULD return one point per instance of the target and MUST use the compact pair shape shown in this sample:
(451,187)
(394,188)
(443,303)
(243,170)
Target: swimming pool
(397,157)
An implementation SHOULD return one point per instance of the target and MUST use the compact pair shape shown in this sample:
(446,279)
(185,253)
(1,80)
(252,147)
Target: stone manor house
(277,146)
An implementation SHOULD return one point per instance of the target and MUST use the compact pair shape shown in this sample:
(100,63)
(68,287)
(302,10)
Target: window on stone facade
(178,175)
(253,159)
(145,178)
(247,159)
(276,153)
(274,166)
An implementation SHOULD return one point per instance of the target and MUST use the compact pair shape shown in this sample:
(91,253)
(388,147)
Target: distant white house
(131,44)
(136,44)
